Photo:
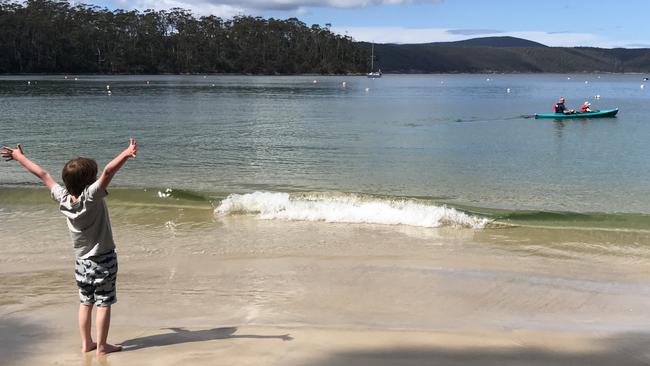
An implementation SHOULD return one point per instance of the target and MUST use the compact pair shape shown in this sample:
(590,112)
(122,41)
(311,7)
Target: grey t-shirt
(90,228)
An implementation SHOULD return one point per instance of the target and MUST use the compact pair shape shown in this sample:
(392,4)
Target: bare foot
(108,348)
(88,347)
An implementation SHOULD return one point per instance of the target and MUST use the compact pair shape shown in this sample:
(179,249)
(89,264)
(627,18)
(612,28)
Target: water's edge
(346,207)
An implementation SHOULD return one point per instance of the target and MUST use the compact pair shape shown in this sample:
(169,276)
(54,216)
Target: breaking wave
(346,208)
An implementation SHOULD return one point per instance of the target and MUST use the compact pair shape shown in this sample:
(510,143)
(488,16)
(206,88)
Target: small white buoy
(110,93)
(568,78)
(66,77)
(586,82)
(508,90)
(147,82)
(315,81)
(108,87)
(344,84)
(204,76)
(213,85)
(29,83)
(367,90)
(599,76)
(488,79)
(75,79)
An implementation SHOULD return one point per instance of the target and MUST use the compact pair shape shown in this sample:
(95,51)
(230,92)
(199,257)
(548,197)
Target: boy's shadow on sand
(180,335)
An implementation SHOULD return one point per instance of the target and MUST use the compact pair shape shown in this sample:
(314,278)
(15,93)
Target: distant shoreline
(351,74)
(485,55)
(171,74)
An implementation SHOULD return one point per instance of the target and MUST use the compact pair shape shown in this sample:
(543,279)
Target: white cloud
(473,32)
(561,39)
(397,34)
(228,8)
(426,35)
(636,45)
(197,7)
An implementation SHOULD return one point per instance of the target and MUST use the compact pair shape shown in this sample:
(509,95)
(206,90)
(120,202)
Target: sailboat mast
(372,58)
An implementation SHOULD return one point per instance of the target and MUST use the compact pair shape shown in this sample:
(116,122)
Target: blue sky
(599,23)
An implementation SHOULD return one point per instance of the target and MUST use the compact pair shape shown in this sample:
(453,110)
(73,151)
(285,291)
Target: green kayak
(594,114)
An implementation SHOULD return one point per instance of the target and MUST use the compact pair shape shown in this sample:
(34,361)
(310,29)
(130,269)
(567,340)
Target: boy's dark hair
(78,174)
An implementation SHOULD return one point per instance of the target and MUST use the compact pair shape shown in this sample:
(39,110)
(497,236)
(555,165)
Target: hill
(492,42)
(506,54)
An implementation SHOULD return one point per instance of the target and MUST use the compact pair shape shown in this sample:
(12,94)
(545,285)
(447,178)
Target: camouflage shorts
(96,278)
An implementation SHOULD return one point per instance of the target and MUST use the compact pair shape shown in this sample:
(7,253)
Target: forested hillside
(44,36)
(499,54)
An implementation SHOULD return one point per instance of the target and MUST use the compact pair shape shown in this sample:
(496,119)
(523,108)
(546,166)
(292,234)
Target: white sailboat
(373,74)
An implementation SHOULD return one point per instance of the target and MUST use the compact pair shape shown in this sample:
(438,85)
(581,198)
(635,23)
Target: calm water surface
(457,138)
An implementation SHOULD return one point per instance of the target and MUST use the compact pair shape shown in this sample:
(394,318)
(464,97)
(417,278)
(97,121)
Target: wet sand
(193,289)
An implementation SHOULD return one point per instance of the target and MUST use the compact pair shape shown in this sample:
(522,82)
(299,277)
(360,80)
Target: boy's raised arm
(17,154)
(115,165)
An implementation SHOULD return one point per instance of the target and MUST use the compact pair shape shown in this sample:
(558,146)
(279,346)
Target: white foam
(346,209)
(165,194)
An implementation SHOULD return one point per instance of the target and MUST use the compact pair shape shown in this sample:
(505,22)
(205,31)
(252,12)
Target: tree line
(45,36)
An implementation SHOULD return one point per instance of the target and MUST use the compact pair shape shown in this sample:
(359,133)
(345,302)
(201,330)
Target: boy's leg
(103,323)
(105,296)
(87,299)
(85,316)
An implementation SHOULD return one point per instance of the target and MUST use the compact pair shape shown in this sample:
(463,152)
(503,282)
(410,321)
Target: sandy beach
(195,288)
(324,346)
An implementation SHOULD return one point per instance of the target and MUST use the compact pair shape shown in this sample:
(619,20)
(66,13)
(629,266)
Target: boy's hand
(132,150)
(115,164)
(17,154)
(12,154)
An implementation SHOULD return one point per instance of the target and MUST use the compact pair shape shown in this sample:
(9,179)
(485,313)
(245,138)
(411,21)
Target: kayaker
(586,107)
(561,108)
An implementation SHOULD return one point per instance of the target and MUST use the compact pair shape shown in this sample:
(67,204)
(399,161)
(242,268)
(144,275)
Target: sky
(562,23)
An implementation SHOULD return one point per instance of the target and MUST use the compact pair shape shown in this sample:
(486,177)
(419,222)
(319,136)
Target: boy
(82,203)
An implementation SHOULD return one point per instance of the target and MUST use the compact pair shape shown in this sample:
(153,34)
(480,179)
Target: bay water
(468,141)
